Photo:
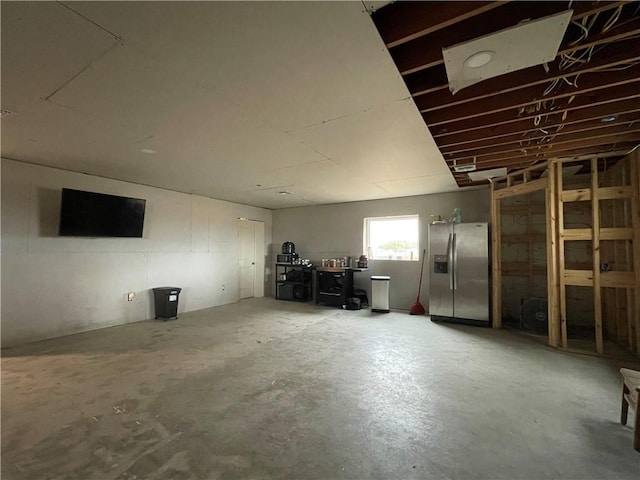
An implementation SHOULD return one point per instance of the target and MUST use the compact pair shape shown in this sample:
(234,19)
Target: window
(392,238)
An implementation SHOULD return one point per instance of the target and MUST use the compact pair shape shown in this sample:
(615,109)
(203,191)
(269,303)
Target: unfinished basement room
(320,240)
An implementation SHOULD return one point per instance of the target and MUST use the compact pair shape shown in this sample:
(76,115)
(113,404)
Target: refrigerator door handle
(455,262)
(450,260)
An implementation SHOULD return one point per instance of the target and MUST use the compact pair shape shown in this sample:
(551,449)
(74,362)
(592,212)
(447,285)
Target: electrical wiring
(584,33)
(577,56)
(567,60)
(574,83)
(550,88)
(619,68)
(612,20)
(632,150)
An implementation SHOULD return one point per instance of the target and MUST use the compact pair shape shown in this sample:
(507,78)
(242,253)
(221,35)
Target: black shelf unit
(297,286)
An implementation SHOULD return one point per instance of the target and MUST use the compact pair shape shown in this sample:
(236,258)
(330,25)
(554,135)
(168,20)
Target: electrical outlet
(131,296)
(223,287)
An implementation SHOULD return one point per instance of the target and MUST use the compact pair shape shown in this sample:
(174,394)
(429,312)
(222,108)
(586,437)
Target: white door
(251,258)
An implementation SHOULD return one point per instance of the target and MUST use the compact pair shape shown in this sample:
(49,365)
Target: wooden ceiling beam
(551,141)
(426,51)
(616,55)
(401,22)
(604,97)
(435,79)
(599,143)
(521,161)
(551,120)
(531,95)
(571,132)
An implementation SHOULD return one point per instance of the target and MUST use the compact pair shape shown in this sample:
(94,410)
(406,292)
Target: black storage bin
(166,301)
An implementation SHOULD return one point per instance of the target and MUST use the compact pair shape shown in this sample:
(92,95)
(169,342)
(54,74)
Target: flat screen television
(90,214)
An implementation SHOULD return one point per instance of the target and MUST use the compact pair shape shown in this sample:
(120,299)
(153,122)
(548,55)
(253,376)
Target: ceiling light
(148,151)
(524,45)
(467,167)
(284,192)
(479,59)
(609,118)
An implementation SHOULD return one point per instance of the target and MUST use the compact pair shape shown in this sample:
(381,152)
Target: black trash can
(166,301)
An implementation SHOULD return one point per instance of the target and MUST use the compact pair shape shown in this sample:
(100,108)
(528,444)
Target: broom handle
(424,253)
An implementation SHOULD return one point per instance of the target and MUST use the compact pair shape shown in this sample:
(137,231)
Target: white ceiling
(239,100)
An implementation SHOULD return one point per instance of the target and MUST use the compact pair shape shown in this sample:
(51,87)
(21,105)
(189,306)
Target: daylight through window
(392,238)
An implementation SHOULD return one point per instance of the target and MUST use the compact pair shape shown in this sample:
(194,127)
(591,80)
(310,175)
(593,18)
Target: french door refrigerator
(459,272)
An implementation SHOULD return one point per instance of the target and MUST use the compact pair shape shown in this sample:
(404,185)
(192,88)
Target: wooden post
(552,257)
(635,210)
(595,235)
(562,297)
(496,260)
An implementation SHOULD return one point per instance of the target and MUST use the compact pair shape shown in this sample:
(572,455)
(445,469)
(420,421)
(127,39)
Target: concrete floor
(264,389)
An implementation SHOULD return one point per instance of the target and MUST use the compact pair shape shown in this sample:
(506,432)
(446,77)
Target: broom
(417,308)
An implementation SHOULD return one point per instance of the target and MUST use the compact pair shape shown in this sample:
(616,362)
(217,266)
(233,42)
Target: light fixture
(524,45)
(148,151)
(284,192)
(479,59)
(465,167)
(609,118)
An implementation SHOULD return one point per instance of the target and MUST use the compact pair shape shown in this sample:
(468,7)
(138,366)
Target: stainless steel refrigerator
(459,272)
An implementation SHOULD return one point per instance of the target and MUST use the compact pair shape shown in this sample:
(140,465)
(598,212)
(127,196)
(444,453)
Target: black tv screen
(89,214)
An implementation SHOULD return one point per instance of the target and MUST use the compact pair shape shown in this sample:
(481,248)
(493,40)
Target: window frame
(366,237)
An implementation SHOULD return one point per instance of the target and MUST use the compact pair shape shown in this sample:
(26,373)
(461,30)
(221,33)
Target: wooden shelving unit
(592,242)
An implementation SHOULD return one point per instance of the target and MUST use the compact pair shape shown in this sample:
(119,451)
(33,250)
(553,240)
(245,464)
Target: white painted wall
(331,231)
(54,285)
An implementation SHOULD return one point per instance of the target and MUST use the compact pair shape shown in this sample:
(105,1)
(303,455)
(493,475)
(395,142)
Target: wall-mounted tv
(90,214)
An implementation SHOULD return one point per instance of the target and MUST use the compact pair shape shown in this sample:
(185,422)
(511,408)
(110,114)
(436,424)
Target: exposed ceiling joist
(539,133)
(616,56)
(627,80)
(608,97)
(406,21)
(551,120)
(426,51)
(585,102)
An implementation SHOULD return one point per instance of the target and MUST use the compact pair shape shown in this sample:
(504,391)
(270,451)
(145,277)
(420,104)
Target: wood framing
(496,269)
(595,228)
(635,208)
(551,199)
(562,295)
(601,236)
